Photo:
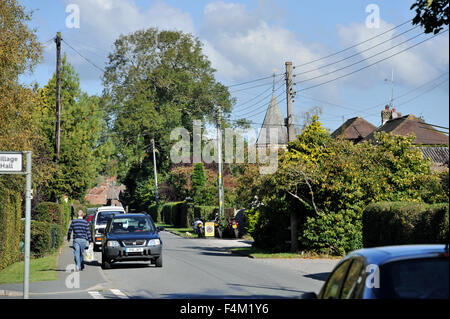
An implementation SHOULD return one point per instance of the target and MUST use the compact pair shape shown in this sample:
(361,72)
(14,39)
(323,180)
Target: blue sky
(246,40)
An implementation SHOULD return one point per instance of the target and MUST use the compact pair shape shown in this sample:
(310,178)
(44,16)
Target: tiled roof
(354,129)
(409,124)
(436,154)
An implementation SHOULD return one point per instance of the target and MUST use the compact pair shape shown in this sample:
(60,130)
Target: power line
(362,60)
(255,97)
(252,81)
(374,63)
(261,100)
(353,46)
(359,52)
(89,61)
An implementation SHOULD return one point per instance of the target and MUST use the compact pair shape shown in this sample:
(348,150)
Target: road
(192,268)
(198,268)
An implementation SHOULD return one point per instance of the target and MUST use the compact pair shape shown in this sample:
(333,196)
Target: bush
(51,213)
(156,213)
(166,213)
(45,238)
(205,212)
(11,226)
(402,223)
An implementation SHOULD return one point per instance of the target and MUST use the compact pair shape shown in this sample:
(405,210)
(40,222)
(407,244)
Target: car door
(332,288)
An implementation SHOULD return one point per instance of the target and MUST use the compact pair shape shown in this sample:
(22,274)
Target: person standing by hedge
(81,232)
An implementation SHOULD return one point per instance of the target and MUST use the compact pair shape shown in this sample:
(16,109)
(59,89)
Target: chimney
(385,115)
(395,114)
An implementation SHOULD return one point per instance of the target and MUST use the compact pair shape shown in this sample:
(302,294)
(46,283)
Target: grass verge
(259,253)
(178,230)
(41,269)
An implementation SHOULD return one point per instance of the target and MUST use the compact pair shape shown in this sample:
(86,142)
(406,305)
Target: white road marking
(119,294)
(96,295)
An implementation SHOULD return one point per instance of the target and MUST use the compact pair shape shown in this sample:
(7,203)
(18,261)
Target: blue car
(131,237)
(390,272)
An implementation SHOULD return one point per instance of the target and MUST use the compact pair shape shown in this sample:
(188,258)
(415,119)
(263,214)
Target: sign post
(12,163)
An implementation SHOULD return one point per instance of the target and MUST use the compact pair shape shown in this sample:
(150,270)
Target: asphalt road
(204,268)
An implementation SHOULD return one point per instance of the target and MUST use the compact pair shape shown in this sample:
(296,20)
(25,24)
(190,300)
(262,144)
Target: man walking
(81,232)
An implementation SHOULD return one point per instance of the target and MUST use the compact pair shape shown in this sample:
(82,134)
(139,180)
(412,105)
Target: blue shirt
(80,229)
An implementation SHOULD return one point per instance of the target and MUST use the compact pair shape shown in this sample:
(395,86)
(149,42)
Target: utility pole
(291,137)
(58,96)
(219,159)
(156,175)
(290,103)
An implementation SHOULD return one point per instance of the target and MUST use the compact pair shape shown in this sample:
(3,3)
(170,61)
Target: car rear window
(104,217)
(415,278)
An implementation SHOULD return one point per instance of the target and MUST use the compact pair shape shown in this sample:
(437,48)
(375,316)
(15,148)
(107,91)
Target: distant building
(106,193)
(432,143)
(354,129)
(273,122)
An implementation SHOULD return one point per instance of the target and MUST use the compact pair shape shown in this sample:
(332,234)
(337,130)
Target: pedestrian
(72,212)
(81,233)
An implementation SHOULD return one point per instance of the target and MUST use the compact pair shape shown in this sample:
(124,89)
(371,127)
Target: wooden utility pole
(291,136)
(58,96)
(219,159)
(290,103)
(155,172)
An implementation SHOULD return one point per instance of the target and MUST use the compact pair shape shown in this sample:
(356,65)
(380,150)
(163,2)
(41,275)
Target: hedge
(401,223)
(48,212)
(45,238)
(11,228)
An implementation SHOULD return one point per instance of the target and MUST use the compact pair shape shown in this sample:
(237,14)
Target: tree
(198,183)
(154,82)
(81,128)
(431,14)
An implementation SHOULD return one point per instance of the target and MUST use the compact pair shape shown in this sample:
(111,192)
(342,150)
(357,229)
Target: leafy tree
(431,14)
(198,183)
(81,128)
(154,82)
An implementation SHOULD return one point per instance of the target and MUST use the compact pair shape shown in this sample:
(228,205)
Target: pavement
(68,285)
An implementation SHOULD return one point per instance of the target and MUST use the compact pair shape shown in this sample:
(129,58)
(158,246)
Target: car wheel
(158,262)
(105,263)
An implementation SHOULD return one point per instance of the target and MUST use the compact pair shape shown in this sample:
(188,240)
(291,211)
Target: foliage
(402,223)
(11,227)
(327,183)
(431,14)
(81,129)
(154,82)
(198,183)
(51,213)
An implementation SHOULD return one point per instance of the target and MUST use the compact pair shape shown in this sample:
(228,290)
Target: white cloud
(242,45)
(411,67)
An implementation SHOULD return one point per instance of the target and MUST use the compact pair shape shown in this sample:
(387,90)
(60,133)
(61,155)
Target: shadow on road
(319,276)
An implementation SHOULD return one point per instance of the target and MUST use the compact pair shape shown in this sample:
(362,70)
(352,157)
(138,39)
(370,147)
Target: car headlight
(154,242)
(113,243)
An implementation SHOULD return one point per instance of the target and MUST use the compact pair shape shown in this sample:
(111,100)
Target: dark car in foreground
(131,237)
(390,272)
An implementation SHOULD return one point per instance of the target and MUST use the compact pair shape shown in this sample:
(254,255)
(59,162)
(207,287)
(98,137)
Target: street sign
(11,162)
(209,229)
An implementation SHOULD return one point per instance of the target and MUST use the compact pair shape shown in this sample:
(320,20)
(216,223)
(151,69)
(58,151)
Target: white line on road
(119,294)
(96,295)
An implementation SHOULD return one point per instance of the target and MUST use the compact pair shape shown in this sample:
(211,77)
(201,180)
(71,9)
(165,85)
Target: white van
(101,218)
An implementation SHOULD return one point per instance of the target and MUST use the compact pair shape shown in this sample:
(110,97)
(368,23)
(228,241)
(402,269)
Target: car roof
(110,208)
(130,215)
(384,254)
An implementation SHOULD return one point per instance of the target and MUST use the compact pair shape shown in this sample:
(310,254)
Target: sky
(247,40)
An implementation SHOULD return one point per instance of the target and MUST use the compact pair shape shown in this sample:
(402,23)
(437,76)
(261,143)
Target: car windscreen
(415,278)
(104,217)
(132,224)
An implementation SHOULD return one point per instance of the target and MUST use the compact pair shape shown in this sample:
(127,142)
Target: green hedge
(48,212)
(400,223)
(156,213)
(205,212)
(11,228)
(45,238)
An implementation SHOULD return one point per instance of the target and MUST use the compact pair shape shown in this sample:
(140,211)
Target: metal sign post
(12,163)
